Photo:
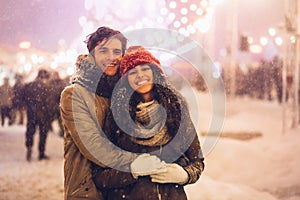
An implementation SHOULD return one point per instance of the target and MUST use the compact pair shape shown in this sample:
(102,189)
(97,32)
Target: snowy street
(265,167)
(237,63)
(35,180)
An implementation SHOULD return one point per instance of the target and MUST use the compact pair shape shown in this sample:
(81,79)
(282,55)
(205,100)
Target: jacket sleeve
(80,117)
(195,162)
(109,178)
(193,155)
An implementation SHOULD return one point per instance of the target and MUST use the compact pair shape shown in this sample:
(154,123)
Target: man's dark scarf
(94,79)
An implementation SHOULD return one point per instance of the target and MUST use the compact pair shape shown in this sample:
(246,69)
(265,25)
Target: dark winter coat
(18,98)
(84,106)
(116,184)
(183,147)
(56,87)
(36,95)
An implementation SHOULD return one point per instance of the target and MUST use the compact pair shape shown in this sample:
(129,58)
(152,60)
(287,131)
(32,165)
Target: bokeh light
(263,41)
(25,45)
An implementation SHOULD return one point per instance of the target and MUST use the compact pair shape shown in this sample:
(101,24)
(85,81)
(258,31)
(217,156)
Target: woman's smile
(142,82)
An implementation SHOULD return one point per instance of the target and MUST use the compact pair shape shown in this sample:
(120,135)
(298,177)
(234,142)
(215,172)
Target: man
(6,96)
(36,94)
(18,104)
(84,106)
(56,86)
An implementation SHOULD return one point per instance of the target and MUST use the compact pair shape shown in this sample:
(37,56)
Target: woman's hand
(171,173)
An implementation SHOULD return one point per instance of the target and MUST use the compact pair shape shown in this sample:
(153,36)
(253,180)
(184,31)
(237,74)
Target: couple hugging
(127,130)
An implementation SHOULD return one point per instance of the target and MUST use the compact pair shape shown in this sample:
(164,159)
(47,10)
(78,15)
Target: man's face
(108,55)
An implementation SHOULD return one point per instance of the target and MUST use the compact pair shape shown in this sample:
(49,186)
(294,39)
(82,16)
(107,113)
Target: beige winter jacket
(6,96)
(83,114)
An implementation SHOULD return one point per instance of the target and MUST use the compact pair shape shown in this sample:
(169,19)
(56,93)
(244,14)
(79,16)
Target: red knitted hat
(137,55)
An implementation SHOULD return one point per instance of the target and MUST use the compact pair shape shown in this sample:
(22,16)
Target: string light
(185,14)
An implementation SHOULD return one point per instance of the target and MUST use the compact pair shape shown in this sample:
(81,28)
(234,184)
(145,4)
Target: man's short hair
(102,33)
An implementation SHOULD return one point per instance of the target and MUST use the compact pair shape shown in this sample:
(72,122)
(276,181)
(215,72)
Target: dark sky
(43,22)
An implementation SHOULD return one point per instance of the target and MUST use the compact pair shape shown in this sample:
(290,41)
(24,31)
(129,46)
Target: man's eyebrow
(108,48)
(103,48)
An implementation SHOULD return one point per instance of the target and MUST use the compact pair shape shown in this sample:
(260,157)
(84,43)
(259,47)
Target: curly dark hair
(103,33)
(178,121)
(163,92)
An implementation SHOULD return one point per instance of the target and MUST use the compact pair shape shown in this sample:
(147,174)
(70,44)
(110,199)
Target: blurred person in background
(56,86)
(6,96)
(18,103)
(36,97)
(277,64)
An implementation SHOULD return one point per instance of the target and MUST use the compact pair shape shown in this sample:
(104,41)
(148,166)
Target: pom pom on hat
(137,55)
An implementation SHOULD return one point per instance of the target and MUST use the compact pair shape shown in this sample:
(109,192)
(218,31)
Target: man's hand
(171,173)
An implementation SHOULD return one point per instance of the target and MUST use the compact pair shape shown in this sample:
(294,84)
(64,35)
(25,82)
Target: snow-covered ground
(262,168)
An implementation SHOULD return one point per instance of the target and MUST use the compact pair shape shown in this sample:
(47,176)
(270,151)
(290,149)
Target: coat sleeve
(79,118)
(108,178)
(193,155)
(195,161)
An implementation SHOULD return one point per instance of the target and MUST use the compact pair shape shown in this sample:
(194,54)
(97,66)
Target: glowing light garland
(187,16)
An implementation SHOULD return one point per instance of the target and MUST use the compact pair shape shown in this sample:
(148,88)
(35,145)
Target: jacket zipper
(158,193)
(157,185)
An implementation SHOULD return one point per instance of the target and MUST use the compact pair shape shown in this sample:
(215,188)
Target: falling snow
(264,167)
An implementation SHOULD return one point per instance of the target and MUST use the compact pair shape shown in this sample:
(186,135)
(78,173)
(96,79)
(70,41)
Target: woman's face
(140,79)
(108,55)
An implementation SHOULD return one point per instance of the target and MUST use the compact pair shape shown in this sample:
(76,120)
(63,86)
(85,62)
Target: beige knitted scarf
(150,120)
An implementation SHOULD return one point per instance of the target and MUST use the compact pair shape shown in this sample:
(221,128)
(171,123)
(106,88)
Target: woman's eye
(132,72)
(146,68)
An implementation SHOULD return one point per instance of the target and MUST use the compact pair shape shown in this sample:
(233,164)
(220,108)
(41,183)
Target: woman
(161,126)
